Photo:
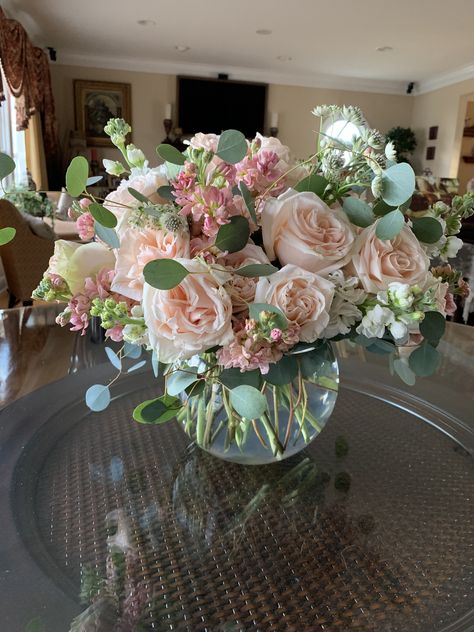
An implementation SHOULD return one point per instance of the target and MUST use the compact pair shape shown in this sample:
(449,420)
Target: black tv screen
(214,105)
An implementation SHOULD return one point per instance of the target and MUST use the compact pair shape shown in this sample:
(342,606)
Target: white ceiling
(329,41)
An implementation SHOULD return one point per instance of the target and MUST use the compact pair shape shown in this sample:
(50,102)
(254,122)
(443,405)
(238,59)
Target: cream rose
(242,289)
(137,248)
(75,262)
(304,298)
(190,318)
(300,229)
(378,263)
(121,203)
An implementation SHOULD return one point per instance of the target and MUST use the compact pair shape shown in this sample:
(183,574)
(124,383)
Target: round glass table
(109,525)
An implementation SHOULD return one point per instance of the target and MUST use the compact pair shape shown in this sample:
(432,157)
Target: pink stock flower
(100,285)
(115,333)
(450,307)
(260,171)
(85,224)
(78,308)
(84,203)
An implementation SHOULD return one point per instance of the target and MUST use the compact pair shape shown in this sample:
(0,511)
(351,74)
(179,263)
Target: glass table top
(119,526)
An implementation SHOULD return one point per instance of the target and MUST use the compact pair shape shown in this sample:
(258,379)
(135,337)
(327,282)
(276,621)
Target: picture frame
(430,153)
(433,132)
(95,103)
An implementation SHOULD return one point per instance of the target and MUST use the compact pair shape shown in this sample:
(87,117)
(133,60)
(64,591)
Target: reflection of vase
(296,414)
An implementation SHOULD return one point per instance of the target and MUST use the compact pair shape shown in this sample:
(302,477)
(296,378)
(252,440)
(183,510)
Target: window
(12,142)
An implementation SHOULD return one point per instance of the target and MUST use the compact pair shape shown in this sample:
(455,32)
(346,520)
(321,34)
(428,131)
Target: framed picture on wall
(95,103)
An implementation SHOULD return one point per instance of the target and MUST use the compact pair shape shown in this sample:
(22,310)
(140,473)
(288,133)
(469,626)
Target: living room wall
(151,91)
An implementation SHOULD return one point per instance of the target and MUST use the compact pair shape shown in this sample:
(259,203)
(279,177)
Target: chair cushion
(38,227)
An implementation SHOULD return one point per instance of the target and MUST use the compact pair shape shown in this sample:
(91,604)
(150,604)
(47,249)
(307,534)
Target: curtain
(26,69)
(35,158)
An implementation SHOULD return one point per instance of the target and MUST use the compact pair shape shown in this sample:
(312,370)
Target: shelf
(468,158)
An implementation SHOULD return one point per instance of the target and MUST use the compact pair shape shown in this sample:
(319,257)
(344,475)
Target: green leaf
(404,372)
(138,196)
(390,225)
(98,397)
(113,358)
(425,360)
(313,363)
(196,388)
(76,176)
(177,381)
(170,154)
(433,326)
(358,212)
(256,270)
(234,236)
(132,351)
(248,401)
(380,208)
(382,347)
(232,146)
(235,377)
(102,215)
(35,625)
(427,229)
(107,235)
(249,201)
(165,192)
(255,309)
(136,366)
(157,411)
(314,183)
(7,165)
(172,170)
(93,180)
(164,274)
(398,184)
(282,372)
(6,235)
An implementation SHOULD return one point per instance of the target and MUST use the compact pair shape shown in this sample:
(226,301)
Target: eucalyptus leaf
(157,411)
(177,381)
(6,235)
(102,215)
(170,154)
(132,351)
(233,236)
(93,180)
(427,229)
(155,363)
(107,235)
(7,165)
(398,184)
(232,146)
(98,397)
(138,196)
(314,362)
(166,192)
(425,360)
(249,201)
(404,372)
(113,358)
(358,212)
(196,388)
(172,170)
(76,176)
(390,225)
(282,372)
(164,274)
(256,270)
(380,208)
(235,377)
(248,401)
(255,310)
(136,366)
(314,183)
(433,326)
(381,347)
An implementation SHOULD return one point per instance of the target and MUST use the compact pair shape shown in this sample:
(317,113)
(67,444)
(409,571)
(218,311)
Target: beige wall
(466,169)
(150,93)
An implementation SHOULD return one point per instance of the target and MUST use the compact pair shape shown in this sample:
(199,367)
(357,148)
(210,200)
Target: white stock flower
(400,295)
(344,313)
(113,167)
(377,319)
(135,156)
(451,248)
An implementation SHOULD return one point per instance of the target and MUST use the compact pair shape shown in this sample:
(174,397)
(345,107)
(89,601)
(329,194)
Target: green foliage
(358,212)
(390,225)
(404,140)
(132,351)
(102,215)
(398,184)
(380,208)
(93,180)
(31,202)
(170,154)
(76,176)
(157,411)
(178,381)
(313,183)
(113,358)
(248,401)
(234,377)
(256,270)
(98,397)
(35,625)
(232,146)
(433,326)
(248,199)
(138,196)
(233,236)
(107,235)
(283,372)
(6,235)
(164,274)
(7,165)
(427,229)
(425,360)
(256,309)
(165,192)
(402,369)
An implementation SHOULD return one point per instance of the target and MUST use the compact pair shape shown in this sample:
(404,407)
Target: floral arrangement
(236,267)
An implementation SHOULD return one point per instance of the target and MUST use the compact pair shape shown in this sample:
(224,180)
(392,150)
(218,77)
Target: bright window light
(343,130)
(12,142)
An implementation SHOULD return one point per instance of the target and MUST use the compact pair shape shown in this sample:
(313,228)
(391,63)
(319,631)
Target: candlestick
(274,119)
(168,111)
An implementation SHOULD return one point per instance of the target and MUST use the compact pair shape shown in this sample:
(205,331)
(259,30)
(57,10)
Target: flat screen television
(214,105)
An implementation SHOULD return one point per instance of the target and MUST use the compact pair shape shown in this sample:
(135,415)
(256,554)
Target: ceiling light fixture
(384,49)
(284,58)
(182,49)
(263,32)
(146,22)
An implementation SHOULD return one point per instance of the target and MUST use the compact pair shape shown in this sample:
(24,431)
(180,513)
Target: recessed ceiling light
(146,22)
(263,32)
(384,49)
(284,58)
(182,49)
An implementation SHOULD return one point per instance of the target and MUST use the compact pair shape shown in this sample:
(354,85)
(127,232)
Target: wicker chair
(25,258)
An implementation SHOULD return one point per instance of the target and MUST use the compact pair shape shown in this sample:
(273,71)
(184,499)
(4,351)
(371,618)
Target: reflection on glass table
(118,526)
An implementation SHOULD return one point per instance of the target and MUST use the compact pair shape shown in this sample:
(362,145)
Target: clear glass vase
(296,414)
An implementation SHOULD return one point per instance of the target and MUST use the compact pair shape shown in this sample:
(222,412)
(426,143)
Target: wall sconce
(274,124)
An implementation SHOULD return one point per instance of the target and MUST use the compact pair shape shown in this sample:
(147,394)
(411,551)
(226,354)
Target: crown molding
(308,80)
(446,79)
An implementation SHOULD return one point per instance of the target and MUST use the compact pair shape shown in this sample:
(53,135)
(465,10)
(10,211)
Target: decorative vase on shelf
(296,413)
